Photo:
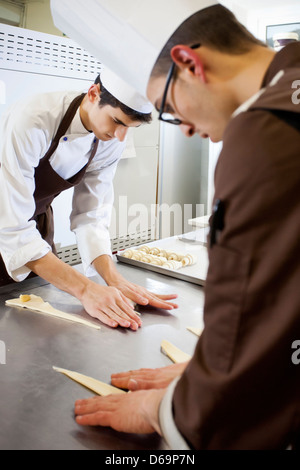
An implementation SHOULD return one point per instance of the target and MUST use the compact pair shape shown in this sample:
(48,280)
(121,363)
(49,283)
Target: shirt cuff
(15,264)
(167,424)
(92,242)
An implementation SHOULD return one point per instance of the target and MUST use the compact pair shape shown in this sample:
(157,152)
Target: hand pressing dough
(196,331)
(175,354)
(96,386)
(37,304)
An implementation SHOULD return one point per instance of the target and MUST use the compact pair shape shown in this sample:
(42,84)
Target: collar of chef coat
(283,59)
(76,126)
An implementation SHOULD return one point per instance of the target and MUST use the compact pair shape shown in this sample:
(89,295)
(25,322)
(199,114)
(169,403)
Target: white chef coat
(26,131)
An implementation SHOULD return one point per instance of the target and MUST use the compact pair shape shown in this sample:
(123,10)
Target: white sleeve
(91,214)
(167,424)
(20,241)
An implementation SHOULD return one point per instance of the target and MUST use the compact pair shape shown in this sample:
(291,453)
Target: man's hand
(110,306)
(132,412)
(144,379)
(141,296)
(137,294)
(107,304)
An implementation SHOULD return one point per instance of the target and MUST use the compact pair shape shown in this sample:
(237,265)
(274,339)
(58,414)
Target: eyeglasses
(163,116)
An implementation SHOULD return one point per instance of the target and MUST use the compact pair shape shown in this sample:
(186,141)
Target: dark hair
(106,98)
(215,27)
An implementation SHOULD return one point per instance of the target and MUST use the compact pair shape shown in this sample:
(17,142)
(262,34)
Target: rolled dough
(37,304)
(96,386)
(172,260)
(175,354)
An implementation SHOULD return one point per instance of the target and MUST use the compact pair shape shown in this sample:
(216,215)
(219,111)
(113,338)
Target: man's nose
(187,129)
(121,132)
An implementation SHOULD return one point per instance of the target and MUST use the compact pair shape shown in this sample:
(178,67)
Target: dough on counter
(101,388)
(196,331)
(37,304)
(175,354)
(25,298)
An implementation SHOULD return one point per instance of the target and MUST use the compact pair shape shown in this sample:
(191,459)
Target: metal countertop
(37,403)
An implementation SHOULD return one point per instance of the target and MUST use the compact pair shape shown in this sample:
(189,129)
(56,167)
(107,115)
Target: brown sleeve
(241,388)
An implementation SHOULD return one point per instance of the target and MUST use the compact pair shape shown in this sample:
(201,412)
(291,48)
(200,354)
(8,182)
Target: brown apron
(48,185)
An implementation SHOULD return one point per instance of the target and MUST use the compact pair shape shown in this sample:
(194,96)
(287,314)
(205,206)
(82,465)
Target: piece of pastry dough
(175,354)
(25,298)
(147,258)
(176,256)
(137,255)
(163,253)
(188,260)
(144,248)
(196,331)
(172,264)
(154,251)
(128,253)
(101,388)
(158,260)
(37,304)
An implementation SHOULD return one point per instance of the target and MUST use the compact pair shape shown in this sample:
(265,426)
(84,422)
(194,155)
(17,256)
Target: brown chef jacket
(241,390)
(48,185)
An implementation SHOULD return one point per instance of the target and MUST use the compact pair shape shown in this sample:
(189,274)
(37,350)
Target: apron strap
(64,125)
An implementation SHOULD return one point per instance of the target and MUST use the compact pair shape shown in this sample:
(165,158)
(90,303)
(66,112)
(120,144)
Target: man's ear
(94,93)
(189,60)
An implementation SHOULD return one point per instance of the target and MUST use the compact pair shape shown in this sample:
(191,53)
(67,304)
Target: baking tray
(187,243)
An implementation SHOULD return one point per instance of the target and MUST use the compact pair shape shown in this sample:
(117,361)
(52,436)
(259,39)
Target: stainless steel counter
(37,403)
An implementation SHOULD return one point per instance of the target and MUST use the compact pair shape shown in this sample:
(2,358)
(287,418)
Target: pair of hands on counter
(112,304)
(135,412)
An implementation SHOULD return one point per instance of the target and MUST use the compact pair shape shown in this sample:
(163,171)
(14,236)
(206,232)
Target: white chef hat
(125,35)
(125,93)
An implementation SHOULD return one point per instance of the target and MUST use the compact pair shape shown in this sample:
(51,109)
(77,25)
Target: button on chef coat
(26,131)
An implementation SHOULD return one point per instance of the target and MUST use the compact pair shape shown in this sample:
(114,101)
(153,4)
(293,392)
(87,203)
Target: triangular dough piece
(96,386)
(175,354)
(196,331)
(37,304)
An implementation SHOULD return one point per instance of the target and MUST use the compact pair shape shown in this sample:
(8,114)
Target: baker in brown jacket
(241,388)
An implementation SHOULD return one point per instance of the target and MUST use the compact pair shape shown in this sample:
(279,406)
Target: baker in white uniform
(50,143)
